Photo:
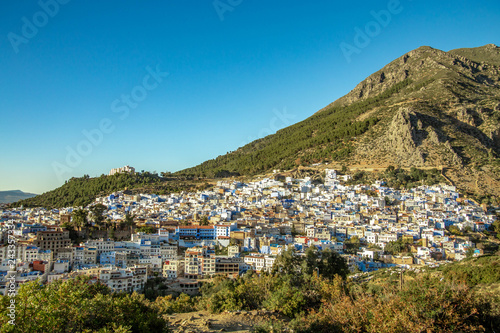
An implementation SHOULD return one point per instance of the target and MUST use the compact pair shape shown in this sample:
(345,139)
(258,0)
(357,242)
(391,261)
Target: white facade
(122,170)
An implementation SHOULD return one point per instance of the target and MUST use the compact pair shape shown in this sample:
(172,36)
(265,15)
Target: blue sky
(237,70)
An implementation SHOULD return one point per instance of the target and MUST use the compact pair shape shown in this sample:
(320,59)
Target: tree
(67,225)
(111,234)
(326,263)
(331,264)
(166,174)
(311,260)
(495,226)
(147,229)
(79,218)
(97,212)
(109,224)
(454,230)
(287,263)
(425,304)
(469,253)
(352,244)
(395,247)
(129,221)
(359,175)
(204,220)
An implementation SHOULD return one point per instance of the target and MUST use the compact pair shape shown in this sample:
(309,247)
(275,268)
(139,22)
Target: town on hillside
(125,239)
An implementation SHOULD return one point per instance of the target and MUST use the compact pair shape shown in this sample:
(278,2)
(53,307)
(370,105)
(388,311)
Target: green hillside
(323,136)
(82,191)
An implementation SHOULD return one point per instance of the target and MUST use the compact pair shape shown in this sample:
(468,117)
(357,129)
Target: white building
(173,269)
(131,279)
(122,170)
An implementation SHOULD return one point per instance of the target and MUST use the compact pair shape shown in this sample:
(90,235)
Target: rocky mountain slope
(428,109)
(449,117)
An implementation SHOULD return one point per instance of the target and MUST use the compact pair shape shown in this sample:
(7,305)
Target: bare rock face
(411,139)
(375,84)
(402,136)
(455,158)
(495,136)
(433,136)
(465,116)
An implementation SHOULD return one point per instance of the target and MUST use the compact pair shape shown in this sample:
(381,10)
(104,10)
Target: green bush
(79,305)
(182,304)
(474,271)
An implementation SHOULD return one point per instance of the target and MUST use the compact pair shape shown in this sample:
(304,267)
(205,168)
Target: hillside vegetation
(325,135)
(82,191)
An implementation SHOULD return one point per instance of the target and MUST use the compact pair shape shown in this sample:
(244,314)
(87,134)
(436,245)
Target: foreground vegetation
(435,301)
(78,305)
(312,291)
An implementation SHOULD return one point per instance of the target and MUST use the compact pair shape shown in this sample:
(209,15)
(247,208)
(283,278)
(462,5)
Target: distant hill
(427,109)
(83,190)
(13,196)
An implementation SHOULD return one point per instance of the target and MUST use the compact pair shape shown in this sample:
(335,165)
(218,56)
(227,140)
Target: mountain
(13,196)
(426,109)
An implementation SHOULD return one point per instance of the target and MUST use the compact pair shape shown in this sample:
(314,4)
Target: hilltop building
(124,169)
